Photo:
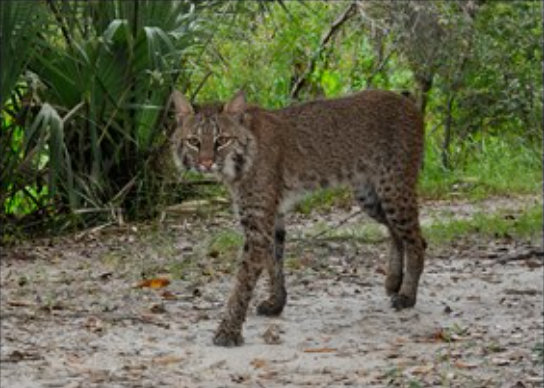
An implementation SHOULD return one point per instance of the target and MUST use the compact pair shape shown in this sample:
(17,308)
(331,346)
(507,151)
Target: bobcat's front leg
(258,229)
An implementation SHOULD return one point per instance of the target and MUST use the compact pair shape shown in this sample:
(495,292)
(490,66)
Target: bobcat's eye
(222,141)
(193,141)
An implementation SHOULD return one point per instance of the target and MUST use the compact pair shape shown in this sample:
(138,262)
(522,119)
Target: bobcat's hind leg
(415,250)
(371,203)
(403,221)
(278,295)
(395,264)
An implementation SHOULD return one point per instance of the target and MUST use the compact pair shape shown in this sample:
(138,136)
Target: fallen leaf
(392,355)
(422,369)
(52,307)
(533,263)
(94,324)
(239,378)
(165,360)
(168,295)
(519,384)
(105,276)
(500,361)
(154,283)
(320,350)
(441,335)
(258,363)
(400,340)
(18,355)
(268,374)
(511,291)
(157,308)
(436,336)
(464,365)
(19,303)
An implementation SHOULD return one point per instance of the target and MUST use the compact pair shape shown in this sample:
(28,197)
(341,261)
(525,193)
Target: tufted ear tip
(182,107)
(237,104)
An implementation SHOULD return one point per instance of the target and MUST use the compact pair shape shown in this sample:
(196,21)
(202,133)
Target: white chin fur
(228,169)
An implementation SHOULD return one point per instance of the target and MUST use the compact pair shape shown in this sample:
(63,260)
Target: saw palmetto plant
(84,85)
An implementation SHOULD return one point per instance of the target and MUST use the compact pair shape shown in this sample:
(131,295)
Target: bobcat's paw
(270,307)
(400,301)
(227,338)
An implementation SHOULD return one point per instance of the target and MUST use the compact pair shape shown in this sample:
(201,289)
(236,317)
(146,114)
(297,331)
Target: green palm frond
(20,23)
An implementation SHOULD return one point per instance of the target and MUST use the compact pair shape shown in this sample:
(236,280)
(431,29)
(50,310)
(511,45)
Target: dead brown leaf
(422,369)
(258,363)
(381,270)
(400,340)
(268,374)
(500,361)
(157,308)
(19,303)
(165,360)
(49,308)
(440,335)
(153,283)
(94,324)
(168,295)
(22,355)
(465,365)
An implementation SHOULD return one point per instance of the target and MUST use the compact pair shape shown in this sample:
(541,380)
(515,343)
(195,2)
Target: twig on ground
(319,235)
(537,253)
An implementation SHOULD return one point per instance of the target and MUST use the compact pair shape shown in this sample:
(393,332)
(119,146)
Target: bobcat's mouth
(211,167)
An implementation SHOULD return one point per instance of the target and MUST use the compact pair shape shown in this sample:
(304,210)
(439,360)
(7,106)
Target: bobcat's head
(212,138)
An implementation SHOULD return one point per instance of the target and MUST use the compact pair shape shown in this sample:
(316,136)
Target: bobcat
(372,140)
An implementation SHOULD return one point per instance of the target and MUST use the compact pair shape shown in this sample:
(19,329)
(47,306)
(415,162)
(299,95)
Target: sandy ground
(71,315)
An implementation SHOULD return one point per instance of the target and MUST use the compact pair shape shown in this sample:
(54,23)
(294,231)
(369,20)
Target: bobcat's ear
(237,104)
(181,105)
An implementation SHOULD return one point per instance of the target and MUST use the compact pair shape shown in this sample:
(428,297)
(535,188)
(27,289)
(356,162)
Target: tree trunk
(424,85)
(447,133)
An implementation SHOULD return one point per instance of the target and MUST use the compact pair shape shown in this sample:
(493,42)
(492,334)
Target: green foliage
(538,350)
(119,74)
(225,243)
(487,166)
(527,224)
(20,23)
(107,68)
(325,200)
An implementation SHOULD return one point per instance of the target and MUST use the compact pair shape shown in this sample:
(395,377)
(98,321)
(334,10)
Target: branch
(200,85)
(533,252)
(333,29)
(380,67)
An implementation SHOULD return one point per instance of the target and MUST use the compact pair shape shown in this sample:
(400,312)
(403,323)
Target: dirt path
(71,316)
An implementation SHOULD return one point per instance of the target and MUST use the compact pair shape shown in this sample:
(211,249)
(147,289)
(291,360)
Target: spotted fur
(371,140)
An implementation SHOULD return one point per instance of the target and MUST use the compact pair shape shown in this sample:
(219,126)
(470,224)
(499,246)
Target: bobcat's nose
(206,164)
